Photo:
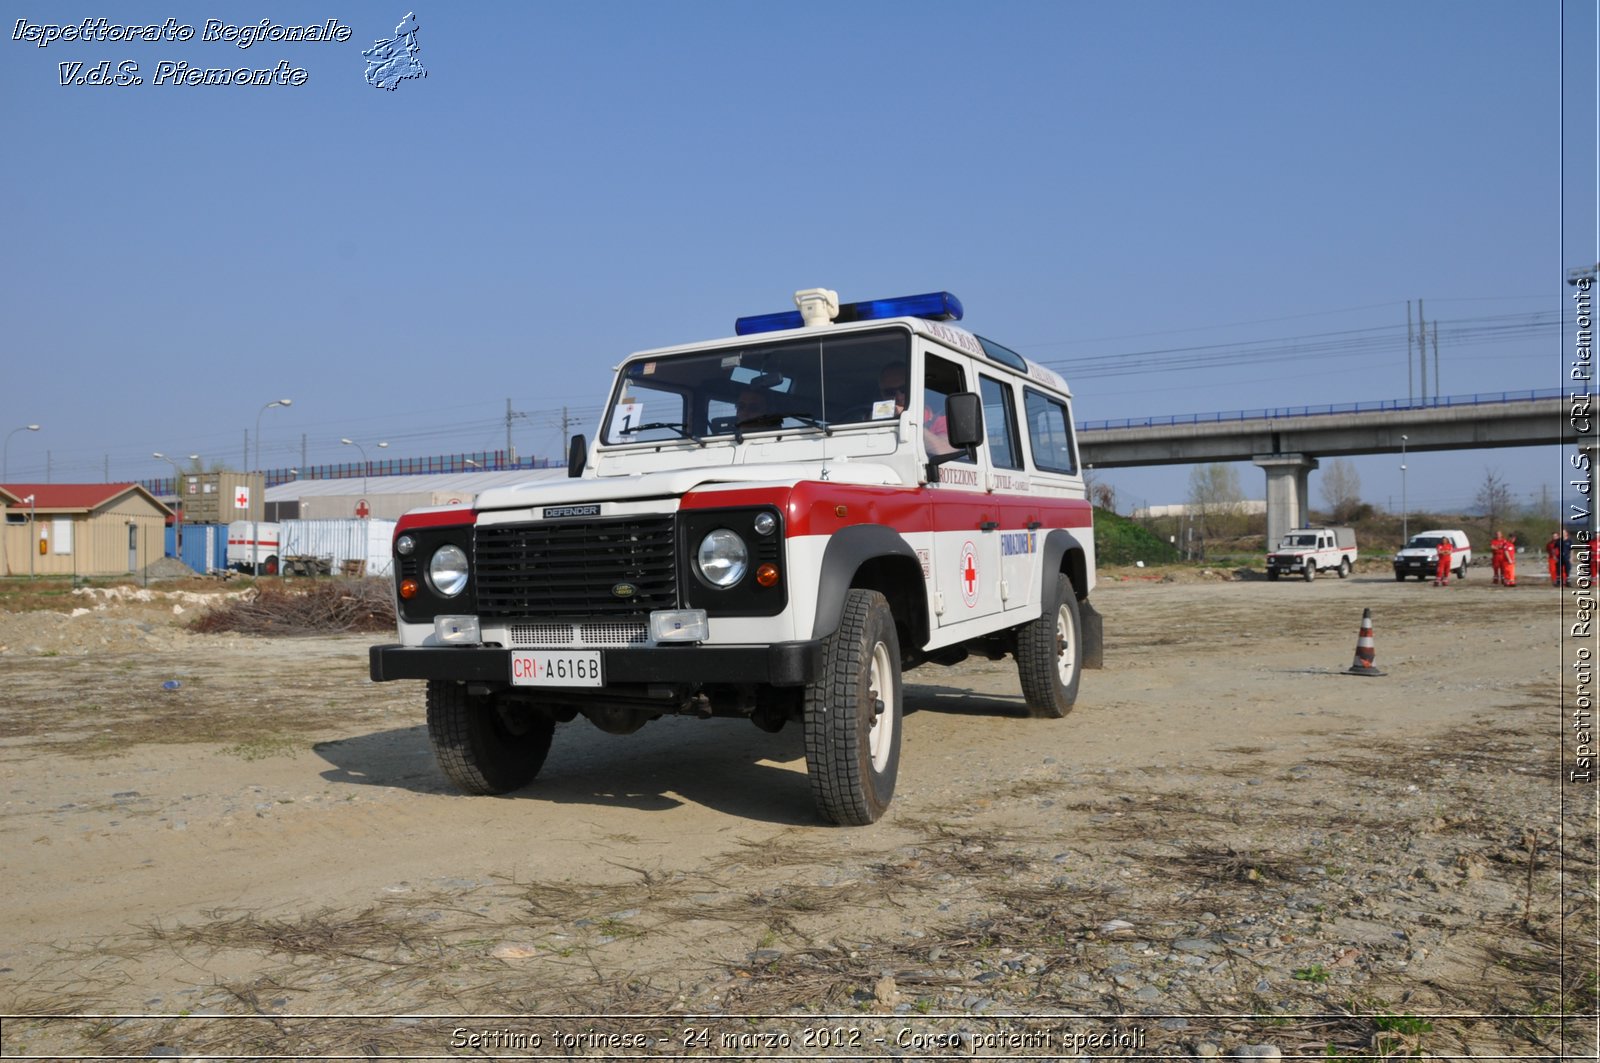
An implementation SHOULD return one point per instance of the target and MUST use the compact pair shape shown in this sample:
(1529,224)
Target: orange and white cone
(1366,654)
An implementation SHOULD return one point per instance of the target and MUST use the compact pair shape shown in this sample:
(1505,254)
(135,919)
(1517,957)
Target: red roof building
(79,529)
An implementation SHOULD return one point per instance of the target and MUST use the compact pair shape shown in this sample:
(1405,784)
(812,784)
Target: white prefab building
(389,497)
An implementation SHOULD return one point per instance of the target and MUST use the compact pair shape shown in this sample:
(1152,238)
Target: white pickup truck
(1306,551)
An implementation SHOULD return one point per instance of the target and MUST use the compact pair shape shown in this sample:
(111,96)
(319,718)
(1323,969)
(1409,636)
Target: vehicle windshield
(1299,540)
(816,382)
(1423,542)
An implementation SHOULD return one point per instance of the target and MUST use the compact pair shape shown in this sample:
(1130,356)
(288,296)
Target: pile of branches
(321,608)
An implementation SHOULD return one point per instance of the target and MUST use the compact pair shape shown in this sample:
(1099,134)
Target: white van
(1420,556)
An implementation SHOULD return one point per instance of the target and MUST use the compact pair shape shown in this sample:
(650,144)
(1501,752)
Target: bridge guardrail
(1480,399)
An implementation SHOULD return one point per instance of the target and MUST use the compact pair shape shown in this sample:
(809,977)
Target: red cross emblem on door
(969,574)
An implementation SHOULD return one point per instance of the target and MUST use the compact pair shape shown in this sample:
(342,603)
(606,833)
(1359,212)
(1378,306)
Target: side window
(1050,433)
(1000,424)
(940,380)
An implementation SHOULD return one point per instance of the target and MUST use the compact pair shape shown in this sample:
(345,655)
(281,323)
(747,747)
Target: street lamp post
(364,462)
(177,489)
(264,409)
(5,459)
(255,526)
(33,514)
(1405,510)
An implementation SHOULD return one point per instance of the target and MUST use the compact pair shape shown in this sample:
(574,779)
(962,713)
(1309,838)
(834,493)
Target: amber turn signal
(767,574)
(408,589)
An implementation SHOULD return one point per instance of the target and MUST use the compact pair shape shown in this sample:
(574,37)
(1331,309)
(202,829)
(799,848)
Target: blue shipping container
(205,546)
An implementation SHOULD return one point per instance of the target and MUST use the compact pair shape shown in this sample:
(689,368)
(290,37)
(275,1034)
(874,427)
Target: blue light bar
(933,306)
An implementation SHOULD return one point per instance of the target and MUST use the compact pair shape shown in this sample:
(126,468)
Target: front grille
(613,633)
(572,568)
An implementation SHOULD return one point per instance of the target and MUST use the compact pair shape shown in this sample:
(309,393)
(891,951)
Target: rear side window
(1000,424)
(1050,433)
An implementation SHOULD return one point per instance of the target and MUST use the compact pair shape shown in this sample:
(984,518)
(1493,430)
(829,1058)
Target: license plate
(556,668)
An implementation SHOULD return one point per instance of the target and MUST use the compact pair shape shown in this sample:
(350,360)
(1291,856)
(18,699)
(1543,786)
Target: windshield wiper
(807,419)
(683,433)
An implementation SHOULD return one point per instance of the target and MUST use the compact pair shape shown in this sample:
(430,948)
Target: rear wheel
(852,714)
(1050,653)
(1344,567)
(482,746)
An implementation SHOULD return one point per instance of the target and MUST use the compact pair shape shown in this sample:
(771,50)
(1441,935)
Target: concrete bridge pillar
(1288,499)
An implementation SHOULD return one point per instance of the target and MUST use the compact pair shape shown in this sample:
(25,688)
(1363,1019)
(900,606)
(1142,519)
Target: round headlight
(764,523)
(405,545)
(447,571)
(722,558)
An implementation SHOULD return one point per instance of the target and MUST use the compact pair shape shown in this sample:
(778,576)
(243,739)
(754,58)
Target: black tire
(482,748)
(1461,573)
(1272,575)
(1399,577)
(1050,653)
(853,714)
(1310,572)
(1344,568)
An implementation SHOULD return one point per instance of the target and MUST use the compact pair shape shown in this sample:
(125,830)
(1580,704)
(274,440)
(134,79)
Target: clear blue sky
(575,181)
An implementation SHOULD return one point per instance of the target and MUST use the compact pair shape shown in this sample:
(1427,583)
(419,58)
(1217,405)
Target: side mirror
(577,452)
(963,415)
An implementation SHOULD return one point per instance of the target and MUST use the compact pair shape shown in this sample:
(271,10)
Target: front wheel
(852,714)
(1311,571)
(1272,575)
(1050,653)
(483,746)
(1399,577)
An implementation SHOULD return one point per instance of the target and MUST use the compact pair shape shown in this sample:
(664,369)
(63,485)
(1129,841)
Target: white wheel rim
(1066,659)
(880,686)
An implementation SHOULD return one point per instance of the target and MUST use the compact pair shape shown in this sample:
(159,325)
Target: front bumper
(783,664)
(1417,566)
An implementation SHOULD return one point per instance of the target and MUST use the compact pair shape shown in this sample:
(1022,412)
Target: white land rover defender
(772,527)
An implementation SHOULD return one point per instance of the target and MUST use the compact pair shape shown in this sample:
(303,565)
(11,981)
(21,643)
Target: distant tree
(1494,498)
(1216,502)
(1104,496)
(1341,490)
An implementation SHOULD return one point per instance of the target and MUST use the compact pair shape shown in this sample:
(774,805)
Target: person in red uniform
(1497,556)
(1552,558)
(1447,551)
(1509,576)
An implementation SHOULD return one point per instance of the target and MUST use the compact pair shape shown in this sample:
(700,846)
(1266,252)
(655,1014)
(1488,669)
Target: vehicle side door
(965,517)
(1009,483)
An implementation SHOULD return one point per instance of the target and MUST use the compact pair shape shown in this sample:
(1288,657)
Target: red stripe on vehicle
(812,507)
(439,519)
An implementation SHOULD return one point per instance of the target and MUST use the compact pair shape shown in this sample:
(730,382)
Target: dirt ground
(219,845)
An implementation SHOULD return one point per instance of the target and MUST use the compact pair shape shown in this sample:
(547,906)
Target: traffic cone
(1366,656)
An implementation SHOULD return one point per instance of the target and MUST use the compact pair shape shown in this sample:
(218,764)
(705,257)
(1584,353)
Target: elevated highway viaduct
(1286,443)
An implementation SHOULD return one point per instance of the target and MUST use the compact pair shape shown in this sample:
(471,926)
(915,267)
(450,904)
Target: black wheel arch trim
(847,551)
(1063,552)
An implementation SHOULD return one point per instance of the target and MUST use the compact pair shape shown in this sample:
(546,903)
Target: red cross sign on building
(362,509)
(241,500)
